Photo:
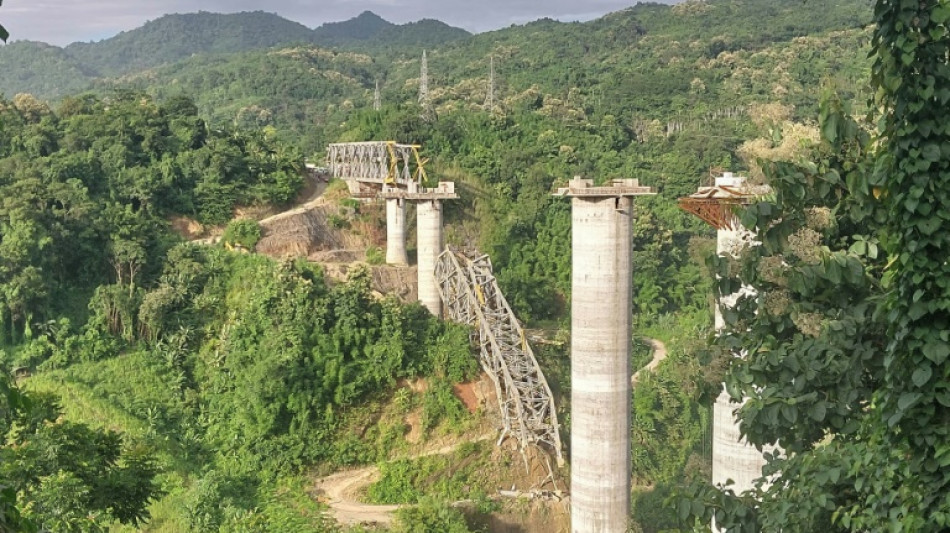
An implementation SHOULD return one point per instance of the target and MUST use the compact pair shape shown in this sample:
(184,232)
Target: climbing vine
(812,339)
(912,74)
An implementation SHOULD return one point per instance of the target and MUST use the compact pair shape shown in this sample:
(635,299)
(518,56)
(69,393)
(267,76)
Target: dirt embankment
(327,233)
(312,227)
(322,230)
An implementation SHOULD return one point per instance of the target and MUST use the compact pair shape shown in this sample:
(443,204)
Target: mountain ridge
(619,51)
(361,27)
(176,37)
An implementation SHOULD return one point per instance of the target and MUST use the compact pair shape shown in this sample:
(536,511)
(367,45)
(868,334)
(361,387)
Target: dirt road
(659,354)
(341,490)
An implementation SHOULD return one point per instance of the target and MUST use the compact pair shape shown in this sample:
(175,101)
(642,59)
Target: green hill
(175,37)
(368,32)
(51,72)
(28,66)
(680,66)
(363,27)
(424,33)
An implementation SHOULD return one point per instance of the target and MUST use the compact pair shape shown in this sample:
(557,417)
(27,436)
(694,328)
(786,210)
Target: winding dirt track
(341,490)
(313,199)
(659,354)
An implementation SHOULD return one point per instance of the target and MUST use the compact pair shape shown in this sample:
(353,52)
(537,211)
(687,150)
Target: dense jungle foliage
(221,366)
(236,374)
(847,368)
(87,191)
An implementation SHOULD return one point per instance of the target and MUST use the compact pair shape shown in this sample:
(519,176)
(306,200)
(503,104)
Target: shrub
(375,256)
(244,233)
(431,516)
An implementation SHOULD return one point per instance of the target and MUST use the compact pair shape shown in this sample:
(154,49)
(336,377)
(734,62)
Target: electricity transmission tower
(490,97)
(377,100)
(424,100)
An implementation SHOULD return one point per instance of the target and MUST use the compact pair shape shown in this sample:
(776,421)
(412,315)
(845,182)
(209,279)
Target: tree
(847,367)
(4,35)
(12,402)
(431,516)
(61,476)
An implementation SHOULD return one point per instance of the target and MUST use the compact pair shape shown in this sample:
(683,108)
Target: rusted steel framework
(719,213)
(471,296)
(381,162)
(717,205)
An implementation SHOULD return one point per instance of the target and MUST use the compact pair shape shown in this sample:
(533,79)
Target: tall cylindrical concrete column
(429,234)
(396,232)
(732,456)
(600,364)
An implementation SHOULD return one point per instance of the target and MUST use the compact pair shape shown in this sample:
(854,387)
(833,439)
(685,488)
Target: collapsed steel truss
(384,162)
(471,296)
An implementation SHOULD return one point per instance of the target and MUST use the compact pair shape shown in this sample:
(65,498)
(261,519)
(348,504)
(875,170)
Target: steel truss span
(385,162)
(471,296)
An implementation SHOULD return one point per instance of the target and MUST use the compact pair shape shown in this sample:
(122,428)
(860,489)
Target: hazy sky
(61,22)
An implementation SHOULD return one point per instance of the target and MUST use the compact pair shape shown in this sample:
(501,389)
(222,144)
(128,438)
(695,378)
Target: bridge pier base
(396,232)
(429,234)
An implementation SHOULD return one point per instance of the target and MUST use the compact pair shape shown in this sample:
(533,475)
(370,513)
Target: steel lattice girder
(471,296)
(382,162)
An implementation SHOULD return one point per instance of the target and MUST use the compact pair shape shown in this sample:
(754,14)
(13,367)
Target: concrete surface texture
(600,364)
(429,235)
(733,457)
(396,232)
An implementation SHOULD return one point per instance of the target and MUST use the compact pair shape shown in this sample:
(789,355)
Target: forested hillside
(226,372)
(649,92)
(175,37)
(369,32)
(51,72)
(40,69)
(239,377)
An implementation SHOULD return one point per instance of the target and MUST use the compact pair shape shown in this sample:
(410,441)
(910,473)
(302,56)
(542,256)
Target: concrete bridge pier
(396,232)
(601,299)
(732,456)
(429,232)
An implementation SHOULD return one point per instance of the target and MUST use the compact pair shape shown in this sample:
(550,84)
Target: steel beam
(471,296)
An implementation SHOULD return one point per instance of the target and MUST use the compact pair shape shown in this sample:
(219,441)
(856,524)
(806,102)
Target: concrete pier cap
(728,179)
(583,187)
(444,191)
(601,328)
